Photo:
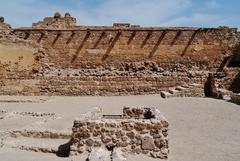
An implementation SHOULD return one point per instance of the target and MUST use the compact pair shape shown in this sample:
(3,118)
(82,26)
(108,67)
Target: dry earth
(201,129)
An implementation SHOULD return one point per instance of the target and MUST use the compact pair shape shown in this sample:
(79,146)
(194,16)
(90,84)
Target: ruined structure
(137,131)
(56,22)
(56,57)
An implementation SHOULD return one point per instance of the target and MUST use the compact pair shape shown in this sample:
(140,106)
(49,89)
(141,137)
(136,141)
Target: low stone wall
(137,131)
(94,85)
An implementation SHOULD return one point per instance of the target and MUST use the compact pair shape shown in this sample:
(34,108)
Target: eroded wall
(112,46)
(113,60)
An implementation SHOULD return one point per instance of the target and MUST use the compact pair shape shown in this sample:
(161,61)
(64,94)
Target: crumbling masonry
(137,131)
(57,57)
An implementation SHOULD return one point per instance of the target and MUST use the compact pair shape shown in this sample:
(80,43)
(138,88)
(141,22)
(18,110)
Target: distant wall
(99,46)
(110,60)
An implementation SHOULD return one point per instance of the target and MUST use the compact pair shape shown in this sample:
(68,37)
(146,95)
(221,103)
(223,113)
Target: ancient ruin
(57,57)
(137,131)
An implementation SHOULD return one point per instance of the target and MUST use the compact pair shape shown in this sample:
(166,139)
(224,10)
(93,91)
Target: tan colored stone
(137,142)
(106,140)
(124,138)
(164,123)
(147,143)
(118,134)
(97,144)
(89,142)
(154,132)
(138,137)
(160,143)
(165,132)
(122,144)
(138,150)
(139,126)
(96,133)
(131,135)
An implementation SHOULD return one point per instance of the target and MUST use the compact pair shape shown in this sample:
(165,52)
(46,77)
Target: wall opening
(235,86)
(235,60)
(234,63)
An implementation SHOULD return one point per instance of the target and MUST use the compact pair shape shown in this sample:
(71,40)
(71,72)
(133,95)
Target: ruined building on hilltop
(57,57)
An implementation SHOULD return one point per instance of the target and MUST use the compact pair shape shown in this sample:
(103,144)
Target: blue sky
(202,13)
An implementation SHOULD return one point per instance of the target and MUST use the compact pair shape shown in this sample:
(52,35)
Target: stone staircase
(191,90)
(34,136)
(44,141)
(37,141)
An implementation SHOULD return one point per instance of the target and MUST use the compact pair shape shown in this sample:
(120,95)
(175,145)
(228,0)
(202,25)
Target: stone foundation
(137,131)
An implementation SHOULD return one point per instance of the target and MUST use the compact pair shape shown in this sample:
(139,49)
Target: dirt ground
(201,129)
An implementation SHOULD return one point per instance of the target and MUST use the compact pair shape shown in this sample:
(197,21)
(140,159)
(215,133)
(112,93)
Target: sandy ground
(201,129)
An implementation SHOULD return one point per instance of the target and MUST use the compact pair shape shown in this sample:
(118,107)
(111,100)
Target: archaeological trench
(55,57)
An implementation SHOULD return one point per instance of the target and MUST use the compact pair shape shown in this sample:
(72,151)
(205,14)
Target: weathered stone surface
(97,143)
(89,142)
(133,113)
(131,64)
(133,133)
(147,143)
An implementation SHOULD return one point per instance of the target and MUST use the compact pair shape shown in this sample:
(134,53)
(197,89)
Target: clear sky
(201,13)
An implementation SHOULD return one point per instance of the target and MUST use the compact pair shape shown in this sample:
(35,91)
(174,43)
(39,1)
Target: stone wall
(111,60)
(103,47)
(137,131)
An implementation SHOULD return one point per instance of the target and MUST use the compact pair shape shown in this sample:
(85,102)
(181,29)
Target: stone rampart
(61,58)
